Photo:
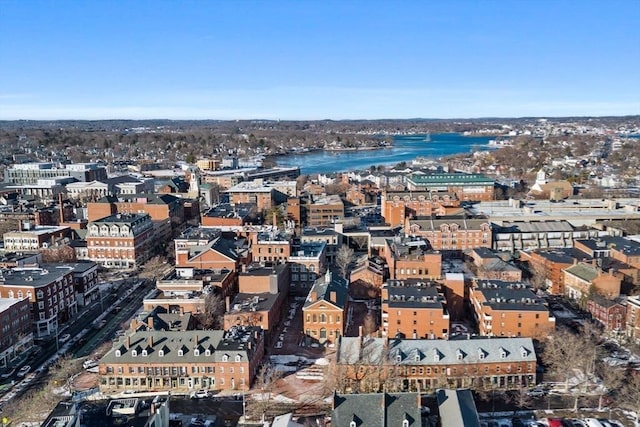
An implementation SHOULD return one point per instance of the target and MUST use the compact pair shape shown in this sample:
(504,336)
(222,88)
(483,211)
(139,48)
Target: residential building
(490,266)
(451,235)
(376,410)
(457,408)
(17,329)
(611,313)
(548,265)
(395,364)
(398,206)
(207,249)
(50,292)
(581,278)
(120,240)
(273,246)
(330,236)
(85,280)
(34,239)
(412,308)
(508,309)
(179,361)
(226,215)
(324,311)
(411,258)
(308,262)
(30,173)
(633,318)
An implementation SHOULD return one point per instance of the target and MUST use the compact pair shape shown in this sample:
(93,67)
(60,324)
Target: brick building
(451,235)
(464,186)
(633,318)
(413,309)
(17,329)
(581,277)
(411,258)
(397,206)
(374,364)
(490,266)
(271,246)
(120,240)
(308,262)
(50,292)
(324,311)
(325,211)
(510,310)
(207,249)
(611,313)
(549,265)
(180,361)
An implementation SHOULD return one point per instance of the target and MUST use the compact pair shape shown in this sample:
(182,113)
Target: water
(406,148)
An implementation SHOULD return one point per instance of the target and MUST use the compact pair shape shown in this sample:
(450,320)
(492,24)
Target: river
(405,149)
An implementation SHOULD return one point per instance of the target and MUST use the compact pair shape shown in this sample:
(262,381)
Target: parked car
(536,392)
(200,394)
(592,422)
(64,337)
(24,370)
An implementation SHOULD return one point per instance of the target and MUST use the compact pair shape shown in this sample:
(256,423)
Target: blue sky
(308,59)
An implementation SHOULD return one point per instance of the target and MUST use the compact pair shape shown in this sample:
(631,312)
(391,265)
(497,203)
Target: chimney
(314,296)
(333,297)
(150,322)
(197,341)
(128,342)
(61,207)
(150,340)
(181,311)
(275,220)
(227,303)
(360,330)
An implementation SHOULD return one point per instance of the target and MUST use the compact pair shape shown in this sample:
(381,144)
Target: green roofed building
(466,186)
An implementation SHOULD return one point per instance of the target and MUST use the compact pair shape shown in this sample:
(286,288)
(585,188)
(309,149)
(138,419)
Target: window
(225,357)
(238,358)
(405,423)
(161,353)
(134,353)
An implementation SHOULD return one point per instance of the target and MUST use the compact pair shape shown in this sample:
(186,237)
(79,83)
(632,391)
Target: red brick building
(398,206)
(17,329)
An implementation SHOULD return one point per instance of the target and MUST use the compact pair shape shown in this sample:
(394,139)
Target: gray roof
(219,343)
(34,276)
(324,285)
(423,352)
(501,295)
(583,271)
(376,409)
(532,226)
(457,408)
(413,293)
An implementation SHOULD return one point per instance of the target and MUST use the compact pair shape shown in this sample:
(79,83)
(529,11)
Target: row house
(633,318)
(160,207)
(226,215)
(85,281)
(398,206)
(374,364)
(465,187)
(120,240)
(624,250)
(411,258)
(414,309)
(270,246)
(324,311)
(370,273)
(180,361)
(507,309)
(308,262)
(611,313)
(34,239)
(451,235)
(16,328)
(514,236)
(581,278)
(50,292)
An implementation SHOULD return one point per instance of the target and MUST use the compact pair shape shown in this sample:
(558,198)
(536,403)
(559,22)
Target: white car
(24,371)
(64,338)
(536,392)
(200,394)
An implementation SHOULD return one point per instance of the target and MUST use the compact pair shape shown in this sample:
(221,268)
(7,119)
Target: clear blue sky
(307,59)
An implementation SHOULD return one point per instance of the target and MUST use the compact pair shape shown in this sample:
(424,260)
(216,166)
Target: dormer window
(181,352)
(160,353)
(238,358)
(398,358)
(436,355)
(524,352)
(503,353)
(134,353)
(405,423)
(459,354)
(225,358)
(118,353)
(417,357)
(207,352)
(145,353)
(352,424)
(481,354)
(196,352)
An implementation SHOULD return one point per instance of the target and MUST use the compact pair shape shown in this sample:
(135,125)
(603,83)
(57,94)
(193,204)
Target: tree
(214,307)
(344,258)
(154,268)
(629,396)
(370,324)
(266,381)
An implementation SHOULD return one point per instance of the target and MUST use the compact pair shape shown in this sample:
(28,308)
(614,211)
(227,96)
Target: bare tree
(154,268)
(266,380)
(344,258)
(370,324)
(629,396)
(213,316)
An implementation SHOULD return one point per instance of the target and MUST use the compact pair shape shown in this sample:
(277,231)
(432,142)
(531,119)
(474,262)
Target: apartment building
(398,206)
(490,266)
(34,239)
(611,313)
(412,308)
(324,311)
(411,258)
(50,292)
(207,249)
(308,262)
(180,361)
(508,309)
(394,364)
(549,265)
(325,211)
(581,277)
(633,318)
(451,235)
(120,240)
(271,246)
(17,329)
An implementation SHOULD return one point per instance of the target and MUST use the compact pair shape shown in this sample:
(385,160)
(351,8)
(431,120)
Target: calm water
(406,148)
